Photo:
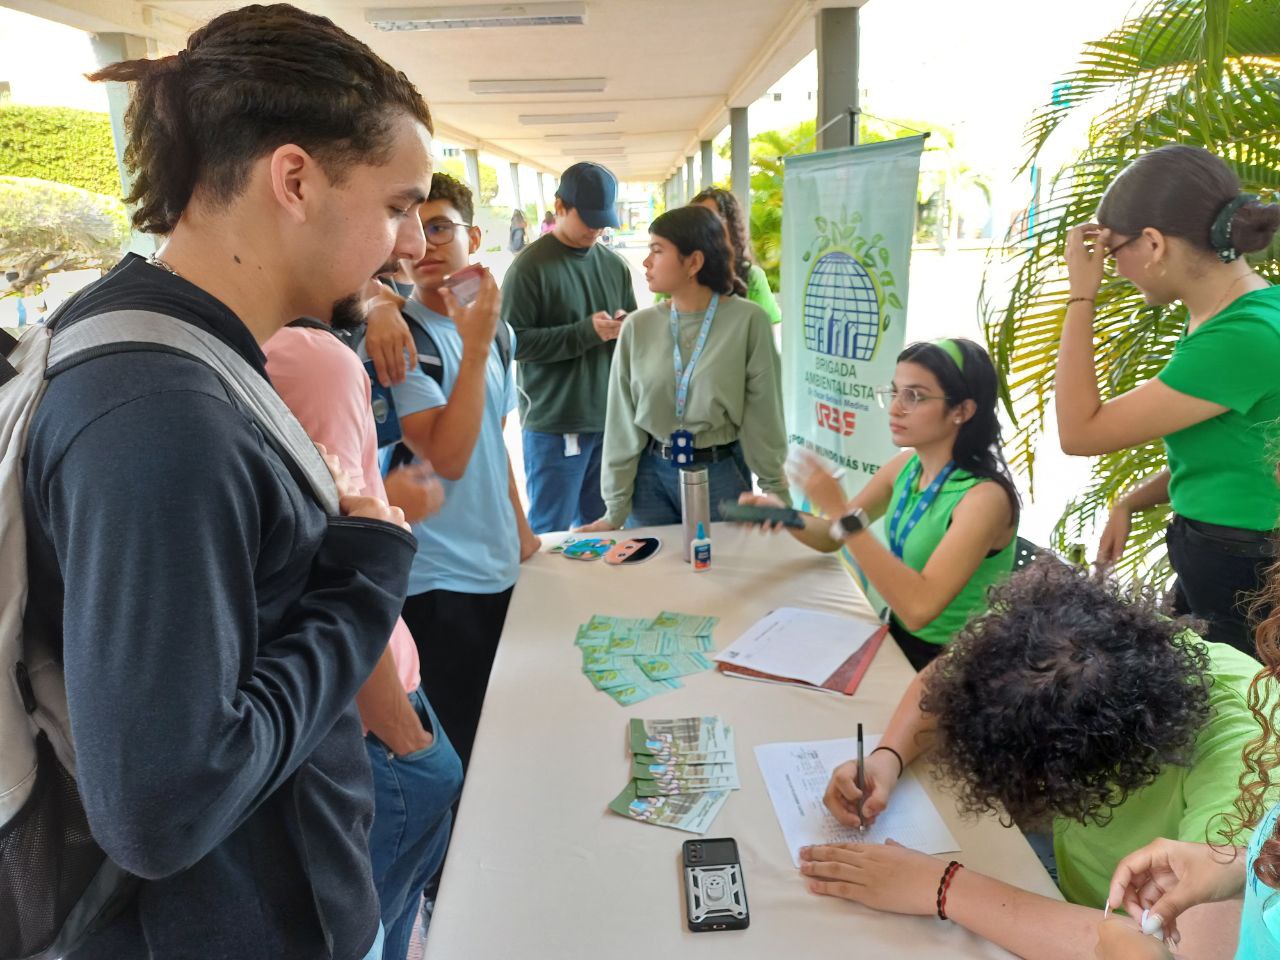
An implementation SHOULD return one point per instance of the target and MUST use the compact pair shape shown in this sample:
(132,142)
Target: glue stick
(700,550)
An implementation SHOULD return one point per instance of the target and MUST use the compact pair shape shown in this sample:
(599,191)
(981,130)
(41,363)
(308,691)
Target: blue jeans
(655,500)
(564,491)
(413,796)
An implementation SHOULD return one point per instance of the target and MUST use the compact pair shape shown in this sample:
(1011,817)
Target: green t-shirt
(1223,470)
(1183,803)
(760,293)
(549,293)
(928,533)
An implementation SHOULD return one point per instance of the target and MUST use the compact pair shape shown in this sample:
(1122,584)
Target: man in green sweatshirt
(566,297)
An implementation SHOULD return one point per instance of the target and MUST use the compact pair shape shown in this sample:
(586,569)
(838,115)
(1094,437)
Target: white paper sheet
(800,644)
(797,774)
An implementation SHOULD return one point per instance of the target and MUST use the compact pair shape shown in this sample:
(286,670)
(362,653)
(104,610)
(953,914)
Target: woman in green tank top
(950,502)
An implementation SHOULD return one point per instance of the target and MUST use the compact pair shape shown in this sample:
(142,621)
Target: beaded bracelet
(944,885)
(897,756)
(1079,300)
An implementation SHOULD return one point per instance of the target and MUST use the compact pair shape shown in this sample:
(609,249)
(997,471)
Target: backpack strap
(429,361)
(7,370)
(502,337)
(106,332)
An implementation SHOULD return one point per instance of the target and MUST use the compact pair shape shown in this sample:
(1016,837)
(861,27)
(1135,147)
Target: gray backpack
(56,884)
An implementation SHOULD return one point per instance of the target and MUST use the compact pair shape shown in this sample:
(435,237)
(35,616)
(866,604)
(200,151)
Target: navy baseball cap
(593,191)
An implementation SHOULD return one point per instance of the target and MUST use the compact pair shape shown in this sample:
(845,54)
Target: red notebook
(845,679)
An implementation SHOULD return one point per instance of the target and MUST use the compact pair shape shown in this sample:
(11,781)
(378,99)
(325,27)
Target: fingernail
(1106,910)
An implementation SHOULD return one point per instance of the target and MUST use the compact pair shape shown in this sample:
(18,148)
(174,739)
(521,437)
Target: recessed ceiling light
(552,118)
(561,137)
(550,85)
(472,16)
(593,151)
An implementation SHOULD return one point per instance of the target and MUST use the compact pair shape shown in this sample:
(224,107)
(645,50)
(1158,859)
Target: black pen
(861,781)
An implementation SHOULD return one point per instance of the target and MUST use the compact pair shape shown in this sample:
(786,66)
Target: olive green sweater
(735,394)
(549,293)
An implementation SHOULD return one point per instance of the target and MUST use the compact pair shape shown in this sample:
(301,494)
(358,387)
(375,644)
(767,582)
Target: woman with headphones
(1174,224)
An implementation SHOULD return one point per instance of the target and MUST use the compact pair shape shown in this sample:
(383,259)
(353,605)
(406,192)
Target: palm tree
(769,151)
(1200,72)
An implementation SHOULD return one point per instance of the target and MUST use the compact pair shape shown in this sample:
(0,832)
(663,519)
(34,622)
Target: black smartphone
(751,513)
(714,890)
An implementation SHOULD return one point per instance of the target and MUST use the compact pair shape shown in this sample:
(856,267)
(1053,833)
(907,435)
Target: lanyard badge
(898,531)
(682,439)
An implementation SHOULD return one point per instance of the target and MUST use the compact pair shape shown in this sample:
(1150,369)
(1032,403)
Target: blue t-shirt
(1260,920)
(472,545)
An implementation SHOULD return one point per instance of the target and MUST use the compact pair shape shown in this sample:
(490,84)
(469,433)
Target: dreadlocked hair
(247,82)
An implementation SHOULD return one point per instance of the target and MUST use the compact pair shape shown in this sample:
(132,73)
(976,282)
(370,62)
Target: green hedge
(59,144)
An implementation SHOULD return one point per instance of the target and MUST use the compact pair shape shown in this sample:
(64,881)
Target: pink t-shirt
(324,384)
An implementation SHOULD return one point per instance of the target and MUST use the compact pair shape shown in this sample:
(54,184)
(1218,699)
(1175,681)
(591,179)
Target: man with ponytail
(213,622)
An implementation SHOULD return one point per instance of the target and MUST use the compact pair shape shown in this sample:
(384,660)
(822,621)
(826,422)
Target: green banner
(847,222)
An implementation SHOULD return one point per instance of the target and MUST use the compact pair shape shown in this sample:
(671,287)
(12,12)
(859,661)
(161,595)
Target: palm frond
(1202,72)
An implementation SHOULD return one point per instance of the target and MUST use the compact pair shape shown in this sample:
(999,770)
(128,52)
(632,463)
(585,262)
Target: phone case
(633,551)
(751,513)
(465,283)
(715,891)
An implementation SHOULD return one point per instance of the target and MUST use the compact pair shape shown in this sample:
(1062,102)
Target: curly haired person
(1067,703)
(1166,878)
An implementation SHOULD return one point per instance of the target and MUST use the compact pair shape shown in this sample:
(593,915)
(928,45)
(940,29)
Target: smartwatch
(850,524)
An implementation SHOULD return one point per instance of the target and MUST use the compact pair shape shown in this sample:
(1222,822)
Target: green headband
(952,350)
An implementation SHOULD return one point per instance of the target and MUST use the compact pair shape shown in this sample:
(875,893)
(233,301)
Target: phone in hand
(753,513)
(465,284)
(715,892)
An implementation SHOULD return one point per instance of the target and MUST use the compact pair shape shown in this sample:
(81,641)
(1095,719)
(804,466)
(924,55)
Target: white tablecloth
(539,868)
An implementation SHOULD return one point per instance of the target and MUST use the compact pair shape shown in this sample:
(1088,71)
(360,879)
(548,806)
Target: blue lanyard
(685,374)
(898,532)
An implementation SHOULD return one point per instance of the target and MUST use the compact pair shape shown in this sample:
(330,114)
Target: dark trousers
(1219,570)
(919,653)
(656,497)
(457,636)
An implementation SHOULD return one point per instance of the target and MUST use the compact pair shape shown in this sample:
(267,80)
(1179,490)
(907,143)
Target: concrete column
(472,158)
(708,159)
(542,197)
(515,184)
(690,188)
(740,156)
(109,48)
(837,41)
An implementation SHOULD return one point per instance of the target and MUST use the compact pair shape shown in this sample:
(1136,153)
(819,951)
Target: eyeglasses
(909,396)
(441,231)
(1111,254)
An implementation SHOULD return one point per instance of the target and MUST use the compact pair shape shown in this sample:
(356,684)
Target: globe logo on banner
(841,308)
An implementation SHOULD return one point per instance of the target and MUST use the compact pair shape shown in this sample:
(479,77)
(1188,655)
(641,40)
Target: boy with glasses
(469,554)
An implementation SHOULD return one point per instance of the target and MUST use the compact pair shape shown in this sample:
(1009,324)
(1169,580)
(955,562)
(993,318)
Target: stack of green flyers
(681,772)
(632,659)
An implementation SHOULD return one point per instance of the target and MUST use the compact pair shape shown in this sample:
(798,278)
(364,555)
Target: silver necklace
(157,262)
